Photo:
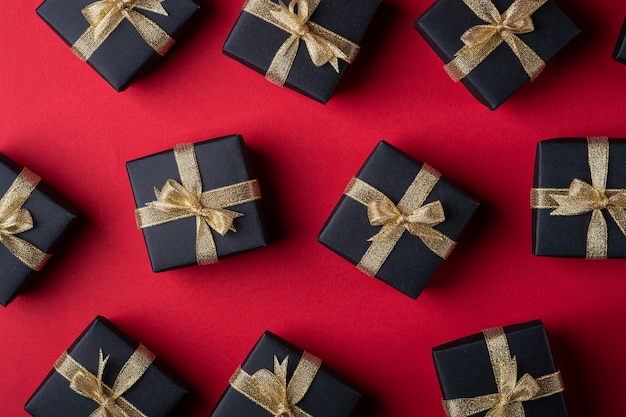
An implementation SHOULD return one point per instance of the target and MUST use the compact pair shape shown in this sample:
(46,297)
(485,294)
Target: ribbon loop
(323,45)
(110,401)
(481,40)
(104,16)
(271,390)
(178,201)
(512,392)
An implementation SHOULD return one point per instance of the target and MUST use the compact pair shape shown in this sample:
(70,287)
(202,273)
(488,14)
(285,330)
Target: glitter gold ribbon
(581,198)
(324,46)
(512,392)
(481,40)
(271,391)
(15,220)
(178,201)
(110,401)
(409,215)
(104,16)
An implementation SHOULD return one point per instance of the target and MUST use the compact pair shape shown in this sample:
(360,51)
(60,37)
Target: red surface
(61,119)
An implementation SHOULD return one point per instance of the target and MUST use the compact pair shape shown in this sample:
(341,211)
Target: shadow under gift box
(154,394)
(557,163)
(328,395)
(222,162)
(124,56)
(52,218)
(464,367)
(254,42)
(411,264)
(501,73)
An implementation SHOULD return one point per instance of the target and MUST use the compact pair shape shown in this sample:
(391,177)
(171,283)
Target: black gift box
(500,74)
(557,163)
(327,396)
(124,56)
(222,162)
(155,393)
(254,43)
(619,53)
(411,264)
(465,370)
(52,217)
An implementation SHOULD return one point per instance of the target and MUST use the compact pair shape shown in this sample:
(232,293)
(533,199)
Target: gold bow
(270,390)
(104,16)
(512,392)
(178,201)
(581,198)
(481,40)
(324,46)
(110,401)
(409,215)
(15,220)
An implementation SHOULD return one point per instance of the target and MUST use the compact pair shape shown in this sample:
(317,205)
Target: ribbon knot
(419,222)
(511,389)
(481,40)
(323,45)
(104,16)
(271,390)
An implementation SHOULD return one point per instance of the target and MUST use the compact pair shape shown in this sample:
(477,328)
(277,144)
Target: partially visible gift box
(619,53)
(305,45)
(578,198)
(477,39)
(503,371)
(106,373)
(397,220)
(33,220)
(197,203)
(120,39)
(280,379)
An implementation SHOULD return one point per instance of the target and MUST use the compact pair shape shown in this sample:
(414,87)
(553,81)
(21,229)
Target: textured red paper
(64,122)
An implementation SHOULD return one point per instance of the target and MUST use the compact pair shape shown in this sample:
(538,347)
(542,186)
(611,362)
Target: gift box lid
(154,394)
(501,73)
(52,218)
(254,42)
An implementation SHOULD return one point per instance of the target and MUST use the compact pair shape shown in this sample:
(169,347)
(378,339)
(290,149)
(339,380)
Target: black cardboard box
(222,162)
(155,393)
(465,370)
(411,264)
(328,395)
(255,42)
(619,53)
(52,217)
(124,56)
(500,74)
(558,162)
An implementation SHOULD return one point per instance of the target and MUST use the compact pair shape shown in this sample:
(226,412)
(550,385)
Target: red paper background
(63,121)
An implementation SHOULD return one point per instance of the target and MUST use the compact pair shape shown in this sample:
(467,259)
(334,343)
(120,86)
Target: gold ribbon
(481,40)
(512,392)
(15,220)
(409,215)
(271,391)
(324,46)
(104,16)
(178,201)
(110,401)
(581,198)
